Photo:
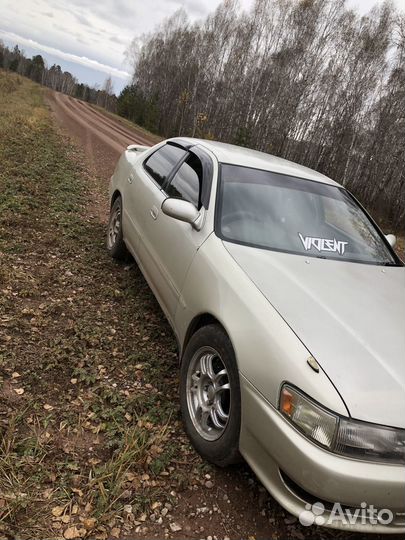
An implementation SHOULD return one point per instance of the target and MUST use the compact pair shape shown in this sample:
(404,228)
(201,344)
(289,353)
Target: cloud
(88,32)
(116,39)
(99,30)
(195,8)
(82,19)
(82,60)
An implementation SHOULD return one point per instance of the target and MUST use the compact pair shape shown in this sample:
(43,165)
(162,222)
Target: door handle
(154,212)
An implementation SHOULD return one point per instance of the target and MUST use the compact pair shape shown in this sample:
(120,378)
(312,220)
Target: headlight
(315,422)
(344,436)
(362,440)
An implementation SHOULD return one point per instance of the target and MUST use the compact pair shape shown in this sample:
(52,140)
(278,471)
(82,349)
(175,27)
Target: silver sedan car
(287,303)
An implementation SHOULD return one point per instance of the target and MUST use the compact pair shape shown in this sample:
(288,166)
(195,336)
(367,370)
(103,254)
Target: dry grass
(88,366)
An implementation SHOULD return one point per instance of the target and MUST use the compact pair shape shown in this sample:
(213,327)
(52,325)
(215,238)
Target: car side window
(186,183)
(161,163)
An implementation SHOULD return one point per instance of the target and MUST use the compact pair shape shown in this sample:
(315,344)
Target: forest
(36,69)
(308,80)
(311,81)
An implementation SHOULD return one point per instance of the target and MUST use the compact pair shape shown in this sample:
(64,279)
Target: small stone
(209,484)
(58,510)
(89,523)
(175,527)
(71,533)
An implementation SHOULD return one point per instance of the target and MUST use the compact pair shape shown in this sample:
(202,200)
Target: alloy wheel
(208,393)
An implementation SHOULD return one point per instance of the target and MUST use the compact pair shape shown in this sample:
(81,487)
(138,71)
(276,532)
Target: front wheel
(115,242)
(210,396)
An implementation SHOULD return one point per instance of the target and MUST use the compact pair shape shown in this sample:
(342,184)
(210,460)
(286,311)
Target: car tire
(115,242)
(208,367)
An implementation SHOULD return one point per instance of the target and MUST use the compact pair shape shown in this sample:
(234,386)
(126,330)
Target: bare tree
(309,80)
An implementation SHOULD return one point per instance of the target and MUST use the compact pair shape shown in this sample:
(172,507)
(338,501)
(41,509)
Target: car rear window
(161,163)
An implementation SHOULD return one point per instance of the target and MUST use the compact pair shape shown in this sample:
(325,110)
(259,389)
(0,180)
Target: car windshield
(284,213)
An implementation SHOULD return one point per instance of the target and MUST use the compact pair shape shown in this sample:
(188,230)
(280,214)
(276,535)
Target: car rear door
(145,178)
(167,246)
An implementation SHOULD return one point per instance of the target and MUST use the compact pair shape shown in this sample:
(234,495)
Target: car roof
(246,157)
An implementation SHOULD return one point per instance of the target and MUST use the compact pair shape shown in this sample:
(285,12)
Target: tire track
(102,138)
(105,127)
(95,125)
(115,125)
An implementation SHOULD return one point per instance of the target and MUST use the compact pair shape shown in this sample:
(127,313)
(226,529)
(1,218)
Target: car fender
(268,352)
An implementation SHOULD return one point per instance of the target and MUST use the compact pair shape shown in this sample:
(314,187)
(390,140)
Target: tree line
(308,80)
(54,77)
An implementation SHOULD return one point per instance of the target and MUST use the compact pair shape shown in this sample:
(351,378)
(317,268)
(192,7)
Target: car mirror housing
(392,239)
(183,211)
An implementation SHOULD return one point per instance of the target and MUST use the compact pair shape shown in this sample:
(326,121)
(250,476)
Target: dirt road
(102,137)
(225,503)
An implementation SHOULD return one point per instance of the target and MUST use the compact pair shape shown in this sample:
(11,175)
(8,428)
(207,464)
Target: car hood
(351,318)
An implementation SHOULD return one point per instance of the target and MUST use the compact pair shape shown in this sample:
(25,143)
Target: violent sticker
(323,244)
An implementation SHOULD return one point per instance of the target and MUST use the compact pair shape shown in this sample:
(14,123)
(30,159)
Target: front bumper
(298,473)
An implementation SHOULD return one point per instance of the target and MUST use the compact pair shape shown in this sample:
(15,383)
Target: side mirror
(183,211)
(392,239)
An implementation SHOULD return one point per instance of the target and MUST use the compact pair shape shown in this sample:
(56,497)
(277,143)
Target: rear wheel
(115,243)
(210,395)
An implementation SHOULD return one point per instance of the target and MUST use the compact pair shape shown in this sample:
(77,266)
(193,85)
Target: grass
(89,420)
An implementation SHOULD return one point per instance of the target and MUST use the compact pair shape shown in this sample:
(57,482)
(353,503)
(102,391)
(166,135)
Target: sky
(89,37)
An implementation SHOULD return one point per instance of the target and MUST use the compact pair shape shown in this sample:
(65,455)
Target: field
(91,440)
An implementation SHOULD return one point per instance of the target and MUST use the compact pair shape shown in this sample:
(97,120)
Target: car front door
(167,246)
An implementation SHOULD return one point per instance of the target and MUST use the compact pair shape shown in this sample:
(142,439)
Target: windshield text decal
(323,244)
